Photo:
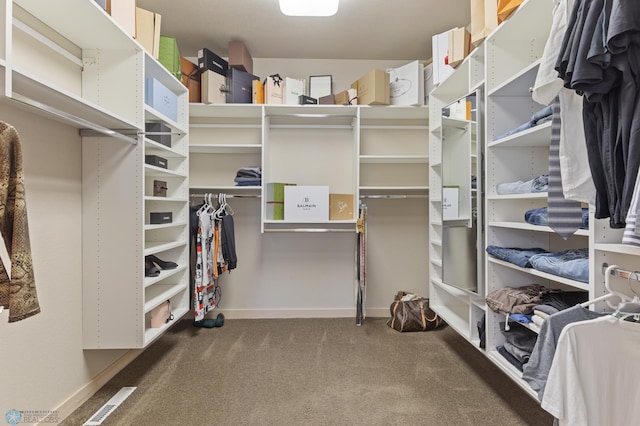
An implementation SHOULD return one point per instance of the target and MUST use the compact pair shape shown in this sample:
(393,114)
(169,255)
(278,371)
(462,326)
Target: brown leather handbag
(412,313)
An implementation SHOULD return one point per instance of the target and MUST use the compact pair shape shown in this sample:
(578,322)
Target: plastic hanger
(611,293)
(205,205)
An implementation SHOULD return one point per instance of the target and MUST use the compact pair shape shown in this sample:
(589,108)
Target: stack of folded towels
(249,176)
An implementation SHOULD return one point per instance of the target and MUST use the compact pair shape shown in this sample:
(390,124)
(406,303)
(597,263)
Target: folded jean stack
(572,264)
(537,184)
(249,176)
(540,216)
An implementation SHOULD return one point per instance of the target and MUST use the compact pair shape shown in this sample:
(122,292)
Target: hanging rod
(629,275)
(393,196)
(227,195)
(309,230)
(118,134)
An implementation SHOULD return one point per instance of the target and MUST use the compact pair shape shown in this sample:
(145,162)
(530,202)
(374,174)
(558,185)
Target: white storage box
(406,84)
(450,203)
(306,203)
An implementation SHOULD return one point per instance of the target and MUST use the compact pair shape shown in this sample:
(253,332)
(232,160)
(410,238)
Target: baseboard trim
(87,391)
(299,313)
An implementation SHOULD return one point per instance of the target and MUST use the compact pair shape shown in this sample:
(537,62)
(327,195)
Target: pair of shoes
(161,263)
(210,323)
(149,269)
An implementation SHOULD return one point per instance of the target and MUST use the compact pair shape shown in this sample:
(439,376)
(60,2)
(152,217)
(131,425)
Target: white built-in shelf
(394,188)
(158,293)
(455,319)
(164,274)
(160,172)
(393,112)
(618,248)
(151,114)
(526,196)
(151,227)
(519,83)
(155,148)
(225,188)
(225,149)
(153,247)
(538,136)
(166,199)
(537,273)
(530,227)
(151,334)
(253,111)
(388,159)
(31,90)
(511,371)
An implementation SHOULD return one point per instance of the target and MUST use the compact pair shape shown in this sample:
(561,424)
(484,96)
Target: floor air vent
(109,407)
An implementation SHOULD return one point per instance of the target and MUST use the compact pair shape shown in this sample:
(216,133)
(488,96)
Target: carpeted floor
(313,372)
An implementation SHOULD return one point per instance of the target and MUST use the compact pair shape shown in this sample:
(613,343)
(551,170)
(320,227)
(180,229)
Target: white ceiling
(362,29)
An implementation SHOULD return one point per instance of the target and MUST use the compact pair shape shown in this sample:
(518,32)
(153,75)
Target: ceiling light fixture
(309,7)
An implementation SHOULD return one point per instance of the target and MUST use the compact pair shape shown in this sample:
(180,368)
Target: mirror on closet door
(462,182)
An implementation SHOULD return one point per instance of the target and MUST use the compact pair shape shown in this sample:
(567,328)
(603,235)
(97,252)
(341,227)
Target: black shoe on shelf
(150,269)
(161,263)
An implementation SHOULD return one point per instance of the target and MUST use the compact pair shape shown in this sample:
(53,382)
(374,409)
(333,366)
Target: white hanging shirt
(577,183)
(594,376)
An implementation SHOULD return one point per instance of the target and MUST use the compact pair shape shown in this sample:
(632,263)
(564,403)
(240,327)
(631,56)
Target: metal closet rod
(629,275)
(393,196)
(227,195)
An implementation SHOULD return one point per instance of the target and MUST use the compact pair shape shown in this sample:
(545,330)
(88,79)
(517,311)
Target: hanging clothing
(204,283)
(17,293)
(577,183)
(598,60)
(592,356)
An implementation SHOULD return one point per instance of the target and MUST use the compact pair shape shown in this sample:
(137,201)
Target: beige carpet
(313,372)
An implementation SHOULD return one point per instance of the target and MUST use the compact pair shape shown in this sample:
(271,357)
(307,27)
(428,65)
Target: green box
(275,200)
(169,56)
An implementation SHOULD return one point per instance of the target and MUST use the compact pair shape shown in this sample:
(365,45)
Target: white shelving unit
(359,150)
(89,74)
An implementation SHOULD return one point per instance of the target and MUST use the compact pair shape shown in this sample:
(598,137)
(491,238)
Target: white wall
(42,359)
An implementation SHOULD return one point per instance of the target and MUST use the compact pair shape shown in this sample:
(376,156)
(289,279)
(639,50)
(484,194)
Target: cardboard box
(169,55)
(306,203)
(341,207)
(406,84)
(273,90)
(293,89)
(163,138)
(214,88)
(327,100)
(124,13)
(373,88)
(239,57)
(160,217)
(450,203)
(459,40)
(440,47)
(240,86)
(257,89)
(191,79)
(148,30)
(155,160)
(275,200)
(159,97)
(159,188)
(207,60)
(346,97)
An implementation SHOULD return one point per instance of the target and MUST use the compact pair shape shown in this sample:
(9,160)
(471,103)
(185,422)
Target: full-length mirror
(462,193)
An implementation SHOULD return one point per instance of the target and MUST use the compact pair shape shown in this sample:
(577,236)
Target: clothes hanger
(205,205)
(227,208)
(611,293)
